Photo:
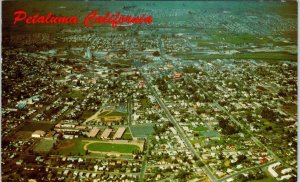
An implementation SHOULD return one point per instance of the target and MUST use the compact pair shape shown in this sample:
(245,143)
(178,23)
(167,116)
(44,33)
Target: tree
(249,118)
(268,114)
(269,128)
(182,175)
(156,53)
(200,163)
(54,146)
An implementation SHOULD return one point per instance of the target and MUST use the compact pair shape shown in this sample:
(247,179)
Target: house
(263,160)
(287,170)
(286,177)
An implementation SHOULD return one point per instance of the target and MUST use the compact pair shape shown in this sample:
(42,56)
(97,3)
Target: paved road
(129,109)
(144,164)
(178,128)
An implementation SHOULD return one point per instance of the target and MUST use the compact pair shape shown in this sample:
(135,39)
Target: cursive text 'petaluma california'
(91,19)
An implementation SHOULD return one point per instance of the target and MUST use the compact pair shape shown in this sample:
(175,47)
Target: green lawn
(112,113)
(145,103)
(76,93)
(45,145)
(116,113)
(142,130)
(209,133)
(127,135)
(201,128)
(108,147)
(268,123)
(87,113)
(204,131)
(75,149)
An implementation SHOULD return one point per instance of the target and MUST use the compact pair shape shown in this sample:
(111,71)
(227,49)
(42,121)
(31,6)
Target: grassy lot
(127,135)
(142,130)
(111,113)
(116,113)
(145,103)
(267,123)
(87,113)
(45,145)
(76,93)
(108,147)
(32,126)
(209,133)
(204,131)
(238,39)
(200,140)
(201,128)
(71,147)
(23,135)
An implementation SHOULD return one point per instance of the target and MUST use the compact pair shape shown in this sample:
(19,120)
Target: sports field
(107,114)
(142,130)
(79,146)
(109,147)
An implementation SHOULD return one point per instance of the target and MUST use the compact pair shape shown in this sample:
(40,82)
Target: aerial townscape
(206,93)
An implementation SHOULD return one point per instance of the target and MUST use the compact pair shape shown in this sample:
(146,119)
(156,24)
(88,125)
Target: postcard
(170,91)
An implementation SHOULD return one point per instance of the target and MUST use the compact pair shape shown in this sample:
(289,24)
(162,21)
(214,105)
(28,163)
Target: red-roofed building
(263,160)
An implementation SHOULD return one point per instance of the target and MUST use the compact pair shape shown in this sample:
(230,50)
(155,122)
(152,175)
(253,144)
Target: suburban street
(178,128)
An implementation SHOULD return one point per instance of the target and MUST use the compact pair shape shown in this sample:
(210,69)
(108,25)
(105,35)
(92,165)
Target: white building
(38,134)
(272,171)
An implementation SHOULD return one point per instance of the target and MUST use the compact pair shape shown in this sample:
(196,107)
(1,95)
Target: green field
(145,103)
(87,113)
(127,135)
(112,113)
(204,131)
(142,130)
(116,113)
(76,147)
(45,145)
(72,147)
(108,147)
(200,128)
(76,93)
(209,133)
